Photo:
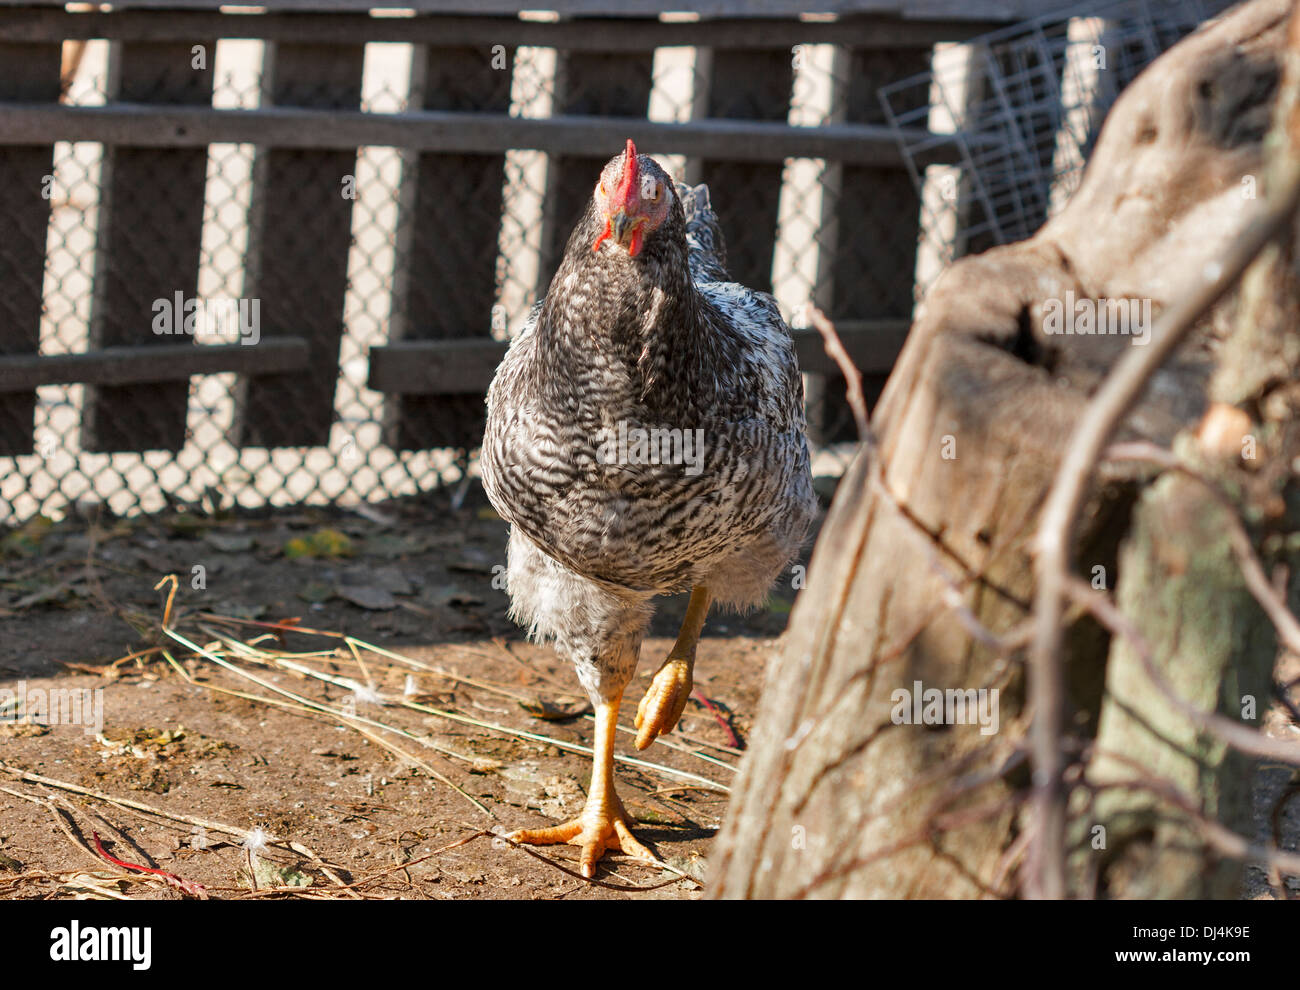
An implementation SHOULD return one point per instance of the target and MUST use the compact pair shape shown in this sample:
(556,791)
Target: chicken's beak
(625,229)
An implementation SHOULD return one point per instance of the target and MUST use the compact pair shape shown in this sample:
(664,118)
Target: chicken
(645,436)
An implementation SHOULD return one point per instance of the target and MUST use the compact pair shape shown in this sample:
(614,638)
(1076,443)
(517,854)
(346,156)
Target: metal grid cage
(1022,107)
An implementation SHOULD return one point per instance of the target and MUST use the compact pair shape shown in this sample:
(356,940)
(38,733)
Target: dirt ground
(421,580)
(489,720)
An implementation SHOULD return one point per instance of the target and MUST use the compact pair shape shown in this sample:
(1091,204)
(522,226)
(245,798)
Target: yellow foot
(595,833)
(664,701)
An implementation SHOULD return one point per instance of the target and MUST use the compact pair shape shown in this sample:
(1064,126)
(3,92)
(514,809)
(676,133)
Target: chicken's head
(633,197)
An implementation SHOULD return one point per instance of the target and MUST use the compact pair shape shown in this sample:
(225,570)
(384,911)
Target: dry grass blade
(483,685)
(571,747)
(308,703)
(209,824)
(61,818)
(354,645)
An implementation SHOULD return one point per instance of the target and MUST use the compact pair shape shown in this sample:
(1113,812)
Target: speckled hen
(645,436)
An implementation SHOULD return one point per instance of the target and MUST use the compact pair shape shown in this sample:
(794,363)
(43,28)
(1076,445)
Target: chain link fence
(357,249)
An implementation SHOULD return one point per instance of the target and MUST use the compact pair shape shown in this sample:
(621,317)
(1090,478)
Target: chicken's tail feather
(708,251)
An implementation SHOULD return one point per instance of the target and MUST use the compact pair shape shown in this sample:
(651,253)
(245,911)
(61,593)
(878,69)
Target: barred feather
(664,341)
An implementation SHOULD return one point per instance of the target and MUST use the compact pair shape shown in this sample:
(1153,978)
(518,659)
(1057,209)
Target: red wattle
(604,234)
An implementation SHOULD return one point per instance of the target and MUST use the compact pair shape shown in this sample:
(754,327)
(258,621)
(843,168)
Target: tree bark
(923,579)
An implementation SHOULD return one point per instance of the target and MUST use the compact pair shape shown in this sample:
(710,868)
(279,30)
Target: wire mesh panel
(1022,108)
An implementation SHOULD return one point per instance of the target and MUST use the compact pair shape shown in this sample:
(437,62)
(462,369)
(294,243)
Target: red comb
(627,181)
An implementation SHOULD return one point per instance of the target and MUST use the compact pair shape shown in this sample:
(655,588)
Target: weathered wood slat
(920,10)
(119,366)
(461,133)
(589,84)
(748,85)
(451,207)
(466,367)
(31,72)
(587,34)
(870,230)
(300,234)
(148,245)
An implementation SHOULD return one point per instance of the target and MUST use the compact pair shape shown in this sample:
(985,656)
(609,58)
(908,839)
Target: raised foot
(595,834)
(664,701)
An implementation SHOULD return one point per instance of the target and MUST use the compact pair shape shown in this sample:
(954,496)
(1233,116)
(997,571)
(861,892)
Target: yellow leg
(604,823)
(665,700)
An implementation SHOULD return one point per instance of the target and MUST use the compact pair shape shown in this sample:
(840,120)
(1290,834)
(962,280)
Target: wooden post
(748,85)
(614,84)
(150,233)
(871,226)
(300,233)
(31,73)
(448,233)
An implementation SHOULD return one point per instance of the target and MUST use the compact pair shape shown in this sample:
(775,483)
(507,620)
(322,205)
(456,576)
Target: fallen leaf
(322,543)
(270,875)
(390,579)
(374,599)
(22,730)
(394,545)
(237,611)
(693,866)
(316,592)
(541,708)
(231,542)
(26,540)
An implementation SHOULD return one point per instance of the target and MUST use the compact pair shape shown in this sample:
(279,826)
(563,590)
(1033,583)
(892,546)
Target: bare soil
(421,580)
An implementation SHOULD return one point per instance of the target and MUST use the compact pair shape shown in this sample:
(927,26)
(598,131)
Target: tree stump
(923,576)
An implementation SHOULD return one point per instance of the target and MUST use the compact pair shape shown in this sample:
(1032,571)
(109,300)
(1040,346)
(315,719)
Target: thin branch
(1114,400)
(1217,835)
(1234,733)
(1252,569)
(852,377)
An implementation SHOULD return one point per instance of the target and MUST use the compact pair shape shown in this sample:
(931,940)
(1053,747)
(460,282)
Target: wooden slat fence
(432,362)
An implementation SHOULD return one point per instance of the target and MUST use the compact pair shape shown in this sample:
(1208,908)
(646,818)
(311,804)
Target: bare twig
(852,377)
(1235,734)
(1113,401)
(210,825)
(1252,570)
(1219,836)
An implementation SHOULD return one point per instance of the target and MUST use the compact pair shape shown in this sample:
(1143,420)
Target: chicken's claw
(595,832)
(664,701)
